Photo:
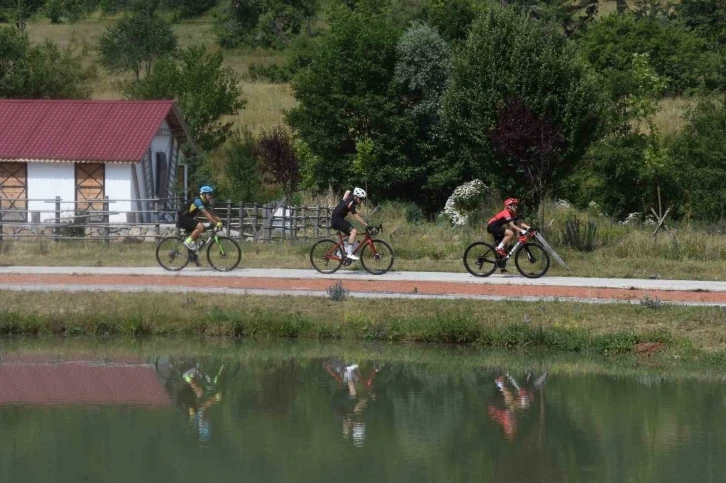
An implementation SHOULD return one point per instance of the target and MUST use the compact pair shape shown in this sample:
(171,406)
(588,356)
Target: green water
(251,412)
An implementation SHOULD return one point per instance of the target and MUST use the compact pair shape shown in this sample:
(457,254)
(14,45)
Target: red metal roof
(78,130)
(81,382)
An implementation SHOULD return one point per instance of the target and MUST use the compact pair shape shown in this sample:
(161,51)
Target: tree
(572,16)
(267,23)
(452,18)
(205,90)
(532,143)
(543,70)
(700,162)
(242,168)
(675,54)
(39,71)
(344,93)
(706,18)
(135,42)
(279,160)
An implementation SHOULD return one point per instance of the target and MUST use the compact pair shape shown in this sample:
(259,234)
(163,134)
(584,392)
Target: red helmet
(511,201)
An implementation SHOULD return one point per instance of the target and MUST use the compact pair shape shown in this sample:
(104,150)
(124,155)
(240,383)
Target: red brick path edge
(370,286)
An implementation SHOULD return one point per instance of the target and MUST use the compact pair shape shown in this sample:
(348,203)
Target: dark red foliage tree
(279,161)
(531,143)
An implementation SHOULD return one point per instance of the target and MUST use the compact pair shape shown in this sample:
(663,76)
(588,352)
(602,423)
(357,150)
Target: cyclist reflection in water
(203,394)
(350,406)
(516,399)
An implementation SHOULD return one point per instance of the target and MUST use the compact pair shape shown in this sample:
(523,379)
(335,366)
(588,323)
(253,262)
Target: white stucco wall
(119,187)
(48,180)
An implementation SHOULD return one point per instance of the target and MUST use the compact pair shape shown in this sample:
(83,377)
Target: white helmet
(359,192)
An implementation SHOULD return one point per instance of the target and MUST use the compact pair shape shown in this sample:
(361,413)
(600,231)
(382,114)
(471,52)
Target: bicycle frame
(331,255)
(519,243)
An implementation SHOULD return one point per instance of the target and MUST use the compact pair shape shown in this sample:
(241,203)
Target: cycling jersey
(343,208)
(502,218)
(194,209)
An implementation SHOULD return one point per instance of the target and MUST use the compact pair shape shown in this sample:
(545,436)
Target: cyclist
(503,225)
(338,221)
(201,205)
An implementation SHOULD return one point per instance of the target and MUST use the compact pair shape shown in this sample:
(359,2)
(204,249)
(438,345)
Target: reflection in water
(516,399)
(286,419)
(359,392)
(195,385)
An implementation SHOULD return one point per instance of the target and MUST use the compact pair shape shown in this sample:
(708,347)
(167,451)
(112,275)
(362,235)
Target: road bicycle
(531,259)
(223,253)
(376,256)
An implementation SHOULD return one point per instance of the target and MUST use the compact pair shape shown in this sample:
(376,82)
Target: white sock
(500,246)
(348,249)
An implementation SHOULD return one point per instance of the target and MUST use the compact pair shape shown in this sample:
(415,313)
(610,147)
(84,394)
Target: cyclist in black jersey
(187,219)
(338,221)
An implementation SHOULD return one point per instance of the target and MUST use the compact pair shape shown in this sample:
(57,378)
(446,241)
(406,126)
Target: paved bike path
(361,284)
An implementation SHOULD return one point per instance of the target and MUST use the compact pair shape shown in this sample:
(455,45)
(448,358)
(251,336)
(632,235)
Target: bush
(336,292)
(413,213)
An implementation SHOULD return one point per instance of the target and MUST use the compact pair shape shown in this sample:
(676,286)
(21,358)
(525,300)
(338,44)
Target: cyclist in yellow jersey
(187,220)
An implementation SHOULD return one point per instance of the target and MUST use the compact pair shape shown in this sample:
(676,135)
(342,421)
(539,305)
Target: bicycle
(376,256)
(531,259)
(223,253)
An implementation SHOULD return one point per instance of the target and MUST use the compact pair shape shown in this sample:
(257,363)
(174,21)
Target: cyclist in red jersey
(503,225)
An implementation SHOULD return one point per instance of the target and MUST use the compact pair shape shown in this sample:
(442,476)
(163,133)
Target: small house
(84,151)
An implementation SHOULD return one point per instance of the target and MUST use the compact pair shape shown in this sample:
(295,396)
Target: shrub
(337,293)
(578,236)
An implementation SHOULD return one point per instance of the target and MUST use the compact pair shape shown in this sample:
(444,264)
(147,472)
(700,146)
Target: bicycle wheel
(223,254)
(532,260)
(378,259)
(172,254)
(480,259)
(326,256)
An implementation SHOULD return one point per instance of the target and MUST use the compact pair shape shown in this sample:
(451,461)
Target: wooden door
(90,190)
(13,191)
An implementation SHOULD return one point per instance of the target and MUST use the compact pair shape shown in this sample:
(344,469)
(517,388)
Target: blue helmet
(206,189)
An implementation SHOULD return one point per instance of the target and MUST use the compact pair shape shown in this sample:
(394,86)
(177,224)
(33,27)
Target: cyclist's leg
(189,225)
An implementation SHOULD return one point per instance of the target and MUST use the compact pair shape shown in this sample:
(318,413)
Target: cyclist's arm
(360,220)
(514,227)
(210,215)
(524,225)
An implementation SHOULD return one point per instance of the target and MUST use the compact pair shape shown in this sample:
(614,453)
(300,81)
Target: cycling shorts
(187,223)
(341,224)
(497,231)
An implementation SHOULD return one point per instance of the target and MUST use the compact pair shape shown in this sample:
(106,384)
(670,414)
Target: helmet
(511,201)
(360,193)
(206,189)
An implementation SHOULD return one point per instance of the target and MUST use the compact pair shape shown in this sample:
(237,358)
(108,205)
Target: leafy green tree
(572,16)
(344,93)
(706,18)
(542,68)
(452,18)
(675,54)
(194,8)
(350,92)
(39,71)
(135,42)
(204,88)
(267,23)
(699,155)
(242,168)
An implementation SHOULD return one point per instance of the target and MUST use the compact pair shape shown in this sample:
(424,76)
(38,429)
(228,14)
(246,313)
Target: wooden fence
(76,220)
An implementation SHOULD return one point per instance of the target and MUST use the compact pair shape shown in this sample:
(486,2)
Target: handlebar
(374,230)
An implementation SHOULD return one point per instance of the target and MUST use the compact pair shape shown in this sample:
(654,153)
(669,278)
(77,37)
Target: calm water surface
(250,415)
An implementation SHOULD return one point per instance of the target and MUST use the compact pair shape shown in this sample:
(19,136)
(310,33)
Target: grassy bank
(454,359)
(683,332)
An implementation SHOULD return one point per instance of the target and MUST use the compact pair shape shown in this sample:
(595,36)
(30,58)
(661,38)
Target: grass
(686,332)
(450,358)
(266,103)
(622,251)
